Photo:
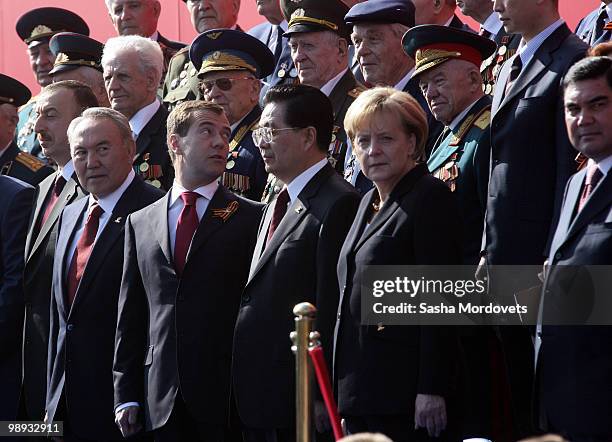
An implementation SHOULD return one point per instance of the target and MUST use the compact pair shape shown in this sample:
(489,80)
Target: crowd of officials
(164,206)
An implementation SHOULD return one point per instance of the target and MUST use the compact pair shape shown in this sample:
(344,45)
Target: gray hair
(110,2)
(151,57)
(99,113)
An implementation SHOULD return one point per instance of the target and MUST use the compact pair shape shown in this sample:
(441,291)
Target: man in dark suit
(318,39)
(13,162)
(531,159)
(294,260)
(181,81)
(230,65)
(140,17)
(596,27)
(187,259)
(438,12)
(574,361)
(378,28)
(270,33)
(57,106)
(492,28)
(87,274)
(15,207)
(133,66)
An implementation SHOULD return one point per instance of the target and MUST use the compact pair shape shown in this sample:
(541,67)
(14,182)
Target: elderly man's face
(373,44)
(55,112)
(135,17)
(102,160)
(237,101)
(448,89)
(588,112)
(212,14)
(41,62)
(314,55)
(129,88)
(8,122)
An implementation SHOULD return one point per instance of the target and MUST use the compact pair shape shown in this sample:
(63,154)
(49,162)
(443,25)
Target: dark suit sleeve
(53,314)
(131,335)
(13,234)
(331,237)
(437,242)
(481,167)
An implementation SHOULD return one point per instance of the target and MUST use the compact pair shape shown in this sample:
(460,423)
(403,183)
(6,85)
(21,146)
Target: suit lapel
(159,225)
(339,93)
(598,201)
(261,237)
(152,127)
(43,193)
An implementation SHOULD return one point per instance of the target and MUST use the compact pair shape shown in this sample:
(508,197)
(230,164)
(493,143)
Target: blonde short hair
(386,99)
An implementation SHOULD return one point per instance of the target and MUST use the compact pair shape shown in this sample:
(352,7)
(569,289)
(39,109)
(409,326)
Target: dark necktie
(280,208)
(279,43)
(515,71)
(599,30)
(185,229)
(83,251)
(60,182)
(593,175)
(484,33)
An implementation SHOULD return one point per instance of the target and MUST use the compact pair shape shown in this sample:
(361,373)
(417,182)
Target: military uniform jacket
(23,166)
(26,137)
(298,264)
(245,172)
(574,362)
(39,253)
(152,161)
(531,155)
(461,160)
(586,28)
(169,47)
(82,336)
(507,45)
(380,370)
(174,334)
(341,97)
(181,82)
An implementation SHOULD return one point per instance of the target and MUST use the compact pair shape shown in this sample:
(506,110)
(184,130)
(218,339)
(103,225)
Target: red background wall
(174,24)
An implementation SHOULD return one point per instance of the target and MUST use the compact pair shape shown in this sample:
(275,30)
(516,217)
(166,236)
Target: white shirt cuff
(125,405)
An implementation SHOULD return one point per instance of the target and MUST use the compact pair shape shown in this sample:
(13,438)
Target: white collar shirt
(141,118)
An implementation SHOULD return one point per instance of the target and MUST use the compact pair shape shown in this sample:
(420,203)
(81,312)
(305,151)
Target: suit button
(558,256)
(70,327)
(338,316)
(246,298)
(539,334)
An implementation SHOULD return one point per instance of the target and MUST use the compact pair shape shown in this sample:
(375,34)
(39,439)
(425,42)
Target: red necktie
(280,208)
(83,250)
(185,229)
(60,182)
(593,175)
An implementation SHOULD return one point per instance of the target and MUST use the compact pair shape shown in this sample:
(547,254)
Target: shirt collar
(404,81)
(155,36)
(284,25)
(493,24)
(295,187)
(5,148)
(109,202)
(608,8)
(237,123)
(68,170)
(604,165)
(527,50)
(448,22)
(143,116)
(331,84)
(207,191)
(457,120)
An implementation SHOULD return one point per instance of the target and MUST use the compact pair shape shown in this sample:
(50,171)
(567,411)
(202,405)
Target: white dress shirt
(175,205)
(604,165)
(328,87)
(527,50)
(67,170)
(107,204)
(404,81)
(493,25)
(140,119)
(296,185)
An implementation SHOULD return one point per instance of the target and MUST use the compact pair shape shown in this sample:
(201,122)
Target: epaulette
(354,93)
(29,161)
(480,120)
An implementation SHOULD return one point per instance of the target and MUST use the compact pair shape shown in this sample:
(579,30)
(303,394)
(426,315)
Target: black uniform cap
(73,50)
(315,15)
(39,25)
(13,92)
(382,11)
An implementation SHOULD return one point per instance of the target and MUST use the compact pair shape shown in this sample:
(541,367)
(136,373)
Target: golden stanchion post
(305,315)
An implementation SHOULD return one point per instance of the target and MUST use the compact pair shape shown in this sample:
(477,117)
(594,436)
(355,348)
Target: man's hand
(430,413)
(321,417)
(127,421)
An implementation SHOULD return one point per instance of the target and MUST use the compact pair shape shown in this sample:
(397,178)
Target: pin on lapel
(225,213)
(299,209)
(117,220)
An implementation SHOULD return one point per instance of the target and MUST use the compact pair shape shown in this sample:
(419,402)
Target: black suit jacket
(39,253)
(174,335)
(531,156)
(296,266)
(380,370)
(152,161)
(82,337)
(15,206)
(575,361)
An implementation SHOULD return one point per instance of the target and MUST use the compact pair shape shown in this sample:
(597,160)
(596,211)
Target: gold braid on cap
(227,62)
(429,55)
(39,32)
(316,21)
(63,59)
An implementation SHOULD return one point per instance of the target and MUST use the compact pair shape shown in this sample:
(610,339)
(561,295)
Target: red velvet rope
(318,361)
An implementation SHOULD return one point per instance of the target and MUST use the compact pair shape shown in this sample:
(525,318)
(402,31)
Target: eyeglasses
(225,84)
(267,134)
